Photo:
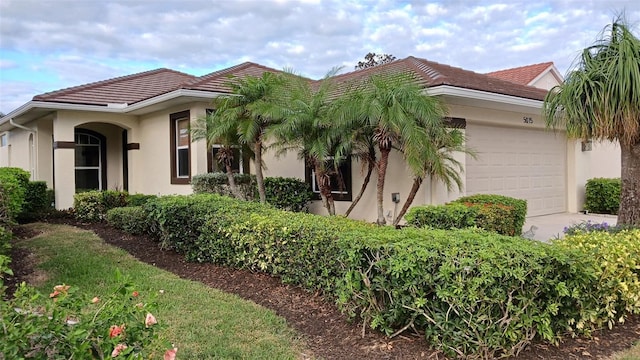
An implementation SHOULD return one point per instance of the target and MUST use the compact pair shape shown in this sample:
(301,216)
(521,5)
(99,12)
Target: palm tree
(397,111)
(207,128)
(307,127)
(248,112)
(600,99)
(437,161)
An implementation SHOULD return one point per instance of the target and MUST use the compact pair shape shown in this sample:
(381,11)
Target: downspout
(22,126)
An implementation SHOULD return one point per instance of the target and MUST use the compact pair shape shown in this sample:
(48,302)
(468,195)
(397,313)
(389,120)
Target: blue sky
(47,45)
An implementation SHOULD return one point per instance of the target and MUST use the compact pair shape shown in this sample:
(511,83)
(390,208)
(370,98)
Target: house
(132,133)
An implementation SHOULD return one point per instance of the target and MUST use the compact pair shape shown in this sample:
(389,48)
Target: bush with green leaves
(37,202)
(602,195)
(67,324)
(617,255)
(131,219)
(290,194)
(217,183)
(494,207)
(452,216)
(14,182)
(139,199)
(93,205)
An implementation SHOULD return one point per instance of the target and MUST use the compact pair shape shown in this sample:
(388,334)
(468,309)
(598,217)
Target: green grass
(204,323)
(632,353)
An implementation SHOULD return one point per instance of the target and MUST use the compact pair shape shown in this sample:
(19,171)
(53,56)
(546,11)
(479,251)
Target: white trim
(551,69)
(483,95)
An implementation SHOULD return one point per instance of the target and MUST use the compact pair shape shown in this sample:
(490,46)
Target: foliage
(132,219)
(93,205)
(373,59)
(218,183)
(5,245)
(452,216)
(288,193)
(600,100)
(515,211)
(602,195)
(138,199)
(618,279)
(37,201)
(67,324)
(589,226)
(13,182)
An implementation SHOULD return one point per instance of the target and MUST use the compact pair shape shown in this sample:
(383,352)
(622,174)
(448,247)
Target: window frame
(4,139)
(347,176)
(174,120)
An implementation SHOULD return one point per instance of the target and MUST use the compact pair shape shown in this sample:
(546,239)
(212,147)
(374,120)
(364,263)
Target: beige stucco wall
(546,81)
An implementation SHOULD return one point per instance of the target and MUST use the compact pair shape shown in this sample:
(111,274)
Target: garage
(527,164)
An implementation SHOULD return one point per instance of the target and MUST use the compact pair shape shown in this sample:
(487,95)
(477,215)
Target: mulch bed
(327,332)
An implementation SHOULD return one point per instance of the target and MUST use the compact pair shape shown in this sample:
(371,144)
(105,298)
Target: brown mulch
(326,332)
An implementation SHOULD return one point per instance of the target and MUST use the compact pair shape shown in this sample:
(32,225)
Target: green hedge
(14,185)
(288,193)
(472,292)
(217,183)
(38,201)
(493,218)
(93,205)
(602,195)
(139,199)
(452,216)
(132,219)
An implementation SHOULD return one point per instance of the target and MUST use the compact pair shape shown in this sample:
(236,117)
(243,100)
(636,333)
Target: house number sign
(527,120)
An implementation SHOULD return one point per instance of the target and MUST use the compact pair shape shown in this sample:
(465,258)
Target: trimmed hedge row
(94,205)
(602,195)
(496,213)
(473,293)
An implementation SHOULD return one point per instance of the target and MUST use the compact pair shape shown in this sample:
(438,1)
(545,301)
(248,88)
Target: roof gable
(218,81)
(128,89)
(523,75)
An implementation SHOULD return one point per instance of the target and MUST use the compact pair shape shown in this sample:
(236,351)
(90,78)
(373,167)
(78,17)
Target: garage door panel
(522,163)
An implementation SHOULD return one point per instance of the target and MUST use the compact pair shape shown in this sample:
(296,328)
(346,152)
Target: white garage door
(522,163)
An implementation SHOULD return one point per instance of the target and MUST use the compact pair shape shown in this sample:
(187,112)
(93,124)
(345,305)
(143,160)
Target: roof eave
(458,92)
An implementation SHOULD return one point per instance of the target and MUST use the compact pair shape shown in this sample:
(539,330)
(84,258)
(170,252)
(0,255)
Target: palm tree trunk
(259,177)
(417,182)
(629,213)
(382,172)
(325,191)
(232,183)
(367,178)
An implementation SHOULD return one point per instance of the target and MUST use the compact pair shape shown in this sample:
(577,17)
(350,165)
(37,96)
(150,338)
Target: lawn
(202,322)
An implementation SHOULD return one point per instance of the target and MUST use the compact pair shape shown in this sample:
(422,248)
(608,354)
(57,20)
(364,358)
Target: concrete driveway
(552,226)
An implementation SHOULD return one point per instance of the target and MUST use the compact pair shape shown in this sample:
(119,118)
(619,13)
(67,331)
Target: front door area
(90,159)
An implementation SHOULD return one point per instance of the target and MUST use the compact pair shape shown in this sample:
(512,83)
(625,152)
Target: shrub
(217,183)
(139,199)
(288,193)
(132,219)
(93,205)
(452,216)
(37,201)
(618,275)
(67,324)
(589,226)
(602,195)
(516,214)
(14,186)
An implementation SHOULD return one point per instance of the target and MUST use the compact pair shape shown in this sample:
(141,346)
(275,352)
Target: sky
(47,45)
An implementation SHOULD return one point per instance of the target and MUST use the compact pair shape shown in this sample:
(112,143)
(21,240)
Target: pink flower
(171,354)
(115,330)
(95,300)
(150,320)
(119,348)
(135,294)
(54,293)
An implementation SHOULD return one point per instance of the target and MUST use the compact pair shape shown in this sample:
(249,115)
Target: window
(237,163)
(340,180)
(89,160)
(180,148)
(4,140)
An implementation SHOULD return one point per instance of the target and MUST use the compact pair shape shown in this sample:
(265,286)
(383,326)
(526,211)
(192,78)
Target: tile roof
(126,89)
(217,81)
(431,74)
(137,87)
(522,75)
